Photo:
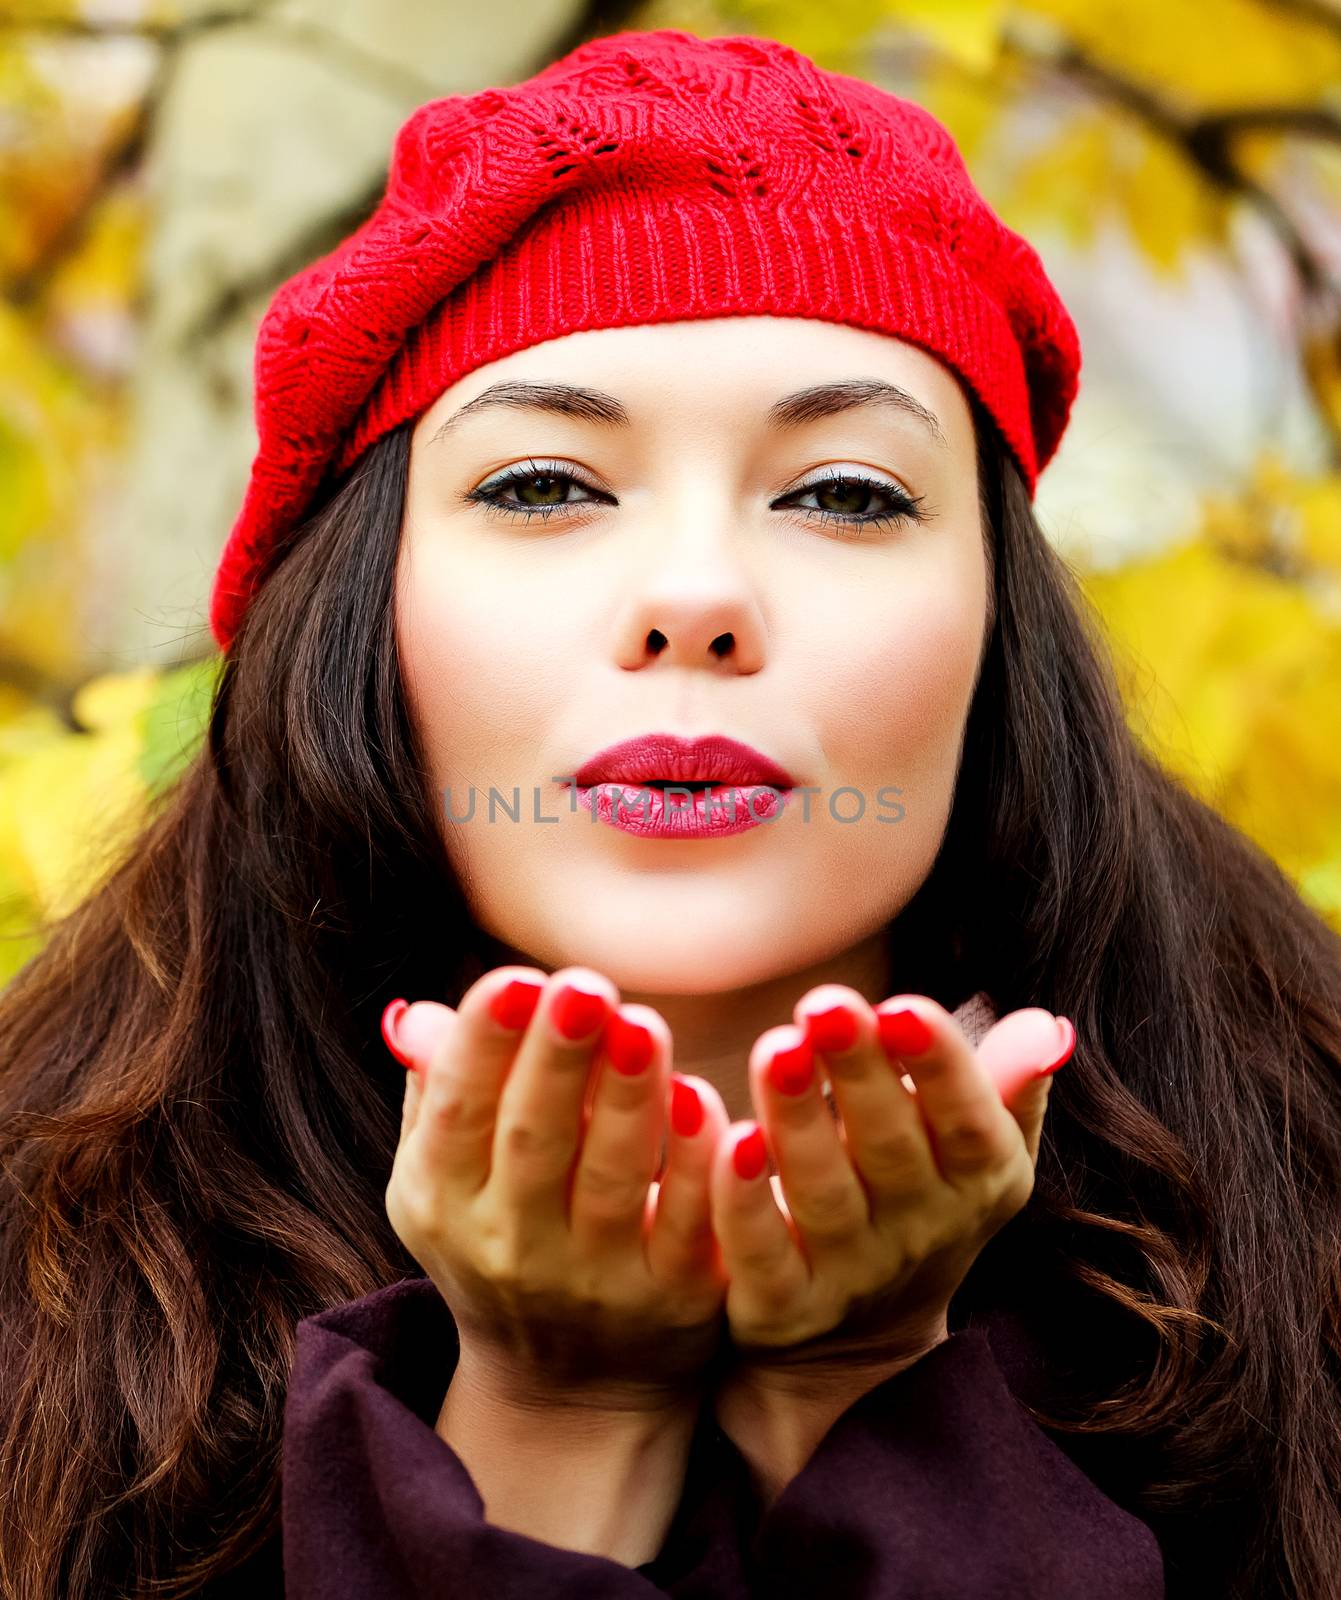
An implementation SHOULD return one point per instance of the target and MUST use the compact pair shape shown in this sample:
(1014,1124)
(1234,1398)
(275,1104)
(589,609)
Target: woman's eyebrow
(791,411)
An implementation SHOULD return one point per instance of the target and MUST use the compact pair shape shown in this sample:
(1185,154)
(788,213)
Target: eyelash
(907,508)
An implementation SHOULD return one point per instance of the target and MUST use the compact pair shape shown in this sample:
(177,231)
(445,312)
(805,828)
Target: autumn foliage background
(1177,163)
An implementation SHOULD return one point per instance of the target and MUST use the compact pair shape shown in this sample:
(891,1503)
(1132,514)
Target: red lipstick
(732,786)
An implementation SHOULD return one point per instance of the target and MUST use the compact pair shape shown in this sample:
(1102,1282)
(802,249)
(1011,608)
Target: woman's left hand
(852,1254)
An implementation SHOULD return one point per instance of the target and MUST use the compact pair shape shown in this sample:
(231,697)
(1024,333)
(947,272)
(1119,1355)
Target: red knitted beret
(644,177)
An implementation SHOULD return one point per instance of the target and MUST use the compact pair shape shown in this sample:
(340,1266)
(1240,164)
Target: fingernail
(751,1154)
(395,1010)
(628,1044)
(792,1069)
(420,1029)
(514,1004)
(686,1108)
(831,1030)
(903,1032)
(577,1012)
(1068,1032)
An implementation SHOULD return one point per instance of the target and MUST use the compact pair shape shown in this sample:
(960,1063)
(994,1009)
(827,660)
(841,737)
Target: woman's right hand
(525,1185)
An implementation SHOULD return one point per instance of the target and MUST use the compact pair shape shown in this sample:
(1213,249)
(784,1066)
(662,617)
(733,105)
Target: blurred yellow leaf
(116,698)
(48,424)
(1218,636)
(70,807)
(1069,180)
(1286,792)
(1233,678)
(833,35)
(1210,57)
(1321,885)
(26,726)
(968,104)
(1285,521)
(1321,353)
(1106,166)
(1169,208)
(1320,521)
(71,801)
(968,31)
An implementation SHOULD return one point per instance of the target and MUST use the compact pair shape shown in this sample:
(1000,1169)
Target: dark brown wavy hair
(198,1116)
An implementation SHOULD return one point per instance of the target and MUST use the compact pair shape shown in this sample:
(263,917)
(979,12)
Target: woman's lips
(673,758)
(653,813)
(642,786)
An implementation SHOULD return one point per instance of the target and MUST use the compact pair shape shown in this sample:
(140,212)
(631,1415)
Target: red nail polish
(831,1030)
(903,1032)
(628,1044)
(792,1070)
(1069,1032)
(577,1012)
(395,1010)
(751,1154)
(686,1108)
(514,1005)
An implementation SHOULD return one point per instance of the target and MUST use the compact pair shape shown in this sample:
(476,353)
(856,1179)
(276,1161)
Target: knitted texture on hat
(644,177)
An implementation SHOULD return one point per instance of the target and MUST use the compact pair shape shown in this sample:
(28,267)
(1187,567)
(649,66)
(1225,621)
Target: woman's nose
(711,618)
(691,598)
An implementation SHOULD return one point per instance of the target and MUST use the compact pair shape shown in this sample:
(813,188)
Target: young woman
(672,426)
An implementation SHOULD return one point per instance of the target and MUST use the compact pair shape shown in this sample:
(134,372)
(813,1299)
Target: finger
(542,1107)
(1029,1110)
(409,1106)
(883,1130)
(761,1256)
(464,1067)
(1021,1052)
(412,1039)
(681,1241)
(824,1196)
(970,1130)
(621,1147)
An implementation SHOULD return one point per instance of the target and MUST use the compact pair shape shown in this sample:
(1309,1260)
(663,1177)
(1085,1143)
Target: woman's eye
(851,491)
(856,493)
(551,486)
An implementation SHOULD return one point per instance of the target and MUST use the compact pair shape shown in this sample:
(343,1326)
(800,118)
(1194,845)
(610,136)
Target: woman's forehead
(787,370)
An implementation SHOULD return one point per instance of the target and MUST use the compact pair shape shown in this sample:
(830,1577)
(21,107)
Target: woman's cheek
(472,654)
(899,703)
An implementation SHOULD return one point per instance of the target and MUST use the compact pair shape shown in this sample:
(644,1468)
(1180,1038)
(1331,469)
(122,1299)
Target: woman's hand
(843,1266)
(883,1212)
(524,1186)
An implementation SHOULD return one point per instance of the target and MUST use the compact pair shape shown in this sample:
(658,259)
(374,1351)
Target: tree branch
(122,158)
(602,16)
(1204,139)
(125,155)
(1324,13)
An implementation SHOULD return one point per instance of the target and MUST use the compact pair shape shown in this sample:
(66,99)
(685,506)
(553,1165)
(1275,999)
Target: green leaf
(175,721)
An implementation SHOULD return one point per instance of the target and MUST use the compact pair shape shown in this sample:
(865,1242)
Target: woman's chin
(648,957)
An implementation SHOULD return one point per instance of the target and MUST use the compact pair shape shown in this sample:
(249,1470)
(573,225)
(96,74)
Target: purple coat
(935,1485)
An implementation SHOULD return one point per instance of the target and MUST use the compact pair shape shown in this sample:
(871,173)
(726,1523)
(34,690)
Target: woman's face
(673,557)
